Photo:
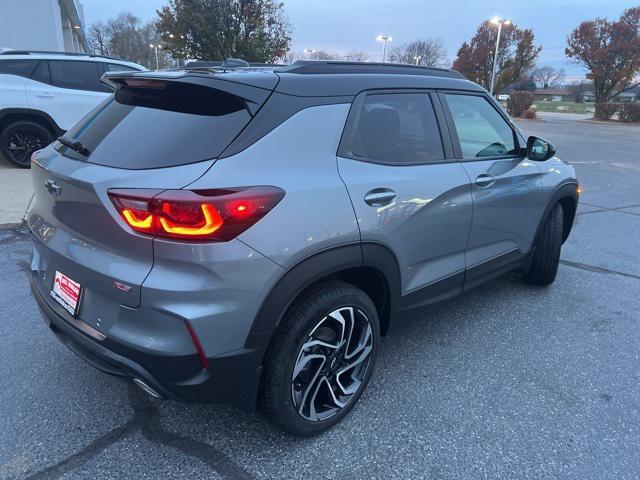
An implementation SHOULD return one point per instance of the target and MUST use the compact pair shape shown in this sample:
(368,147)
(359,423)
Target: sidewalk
(15,193)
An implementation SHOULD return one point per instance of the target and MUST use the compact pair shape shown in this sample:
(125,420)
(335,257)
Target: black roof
(335,67)
(335,78)
(322,78)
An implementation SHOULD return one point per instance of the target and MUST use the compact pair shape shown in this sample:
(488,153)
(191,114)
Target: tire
(307,323)
(546,256)
(20,139)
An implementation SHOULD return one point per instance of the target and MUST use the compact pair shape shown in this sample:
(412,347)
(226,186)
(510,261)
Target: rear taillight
(213,215)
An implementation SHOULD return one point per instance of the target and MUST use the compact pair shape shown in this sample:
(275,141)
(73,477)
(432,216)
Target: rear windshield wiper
(75,145)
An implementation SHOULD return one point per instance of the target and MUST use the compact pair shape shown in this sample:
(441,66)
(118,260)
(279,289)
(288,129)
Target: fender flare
(565,190)
(313,268)
(45,117)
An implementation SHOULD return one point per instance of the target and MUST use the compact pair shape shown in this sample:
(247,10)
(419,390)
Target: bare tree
(98,39)
(547,77)
(357,56)
(427,52)
(126,37)
(322,55)
(292,56)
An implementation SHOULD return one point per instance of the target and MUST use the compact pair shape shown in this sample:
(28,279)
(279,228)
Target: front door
(505,185)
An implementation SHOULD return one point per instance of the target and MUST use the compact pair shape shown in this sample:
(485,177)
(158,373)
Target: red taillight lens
(214,215)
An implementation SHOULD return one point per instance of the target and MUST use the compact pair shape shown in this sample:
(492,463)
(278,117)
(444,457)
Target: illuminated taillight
(213,215)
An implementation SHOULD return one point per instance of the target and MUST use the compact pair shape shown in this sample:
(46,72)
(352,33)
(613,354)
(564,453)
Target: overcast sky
(343,25)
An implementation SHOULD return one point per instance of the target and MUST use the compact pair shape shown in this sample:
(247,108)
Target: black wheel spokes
(332,364)
(23,144)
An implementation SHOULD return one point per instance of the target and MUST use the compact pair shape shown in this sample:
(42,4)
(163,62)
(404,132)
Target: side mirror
(539,149)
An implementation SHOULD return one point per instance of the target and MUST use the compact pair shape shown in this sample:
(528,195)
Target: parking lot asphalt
(507,381)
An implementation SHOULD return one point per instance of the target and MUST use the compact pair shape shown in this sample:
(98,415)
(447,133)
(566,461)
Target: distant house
(554,95)
(624,97)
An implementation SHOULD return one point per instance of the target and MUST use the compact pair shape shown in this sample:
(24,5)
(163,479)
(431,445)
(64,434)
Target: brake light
(213,215)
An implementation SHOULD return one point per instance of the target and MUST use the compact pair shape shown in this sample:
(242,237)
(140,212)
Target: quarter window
(398,129)
(75,75)
(482,131)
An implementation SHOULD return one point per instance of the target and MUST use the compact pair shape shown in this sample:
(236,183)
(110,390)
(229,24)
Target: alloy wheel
(332,364)
(22,143)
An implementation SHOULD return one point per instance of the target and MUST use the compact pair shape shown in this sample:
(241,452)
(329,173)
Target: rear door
(407,190)
(66,89)
(505,184)
(159,138)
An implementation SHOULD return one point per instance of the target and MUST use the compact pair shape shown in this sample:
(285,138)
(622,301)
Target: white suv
(43,94)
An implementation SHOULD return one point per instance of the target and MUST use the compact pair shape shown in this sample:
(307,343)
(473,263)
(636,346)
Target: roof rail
(336,67)
(54,52)
(229,63)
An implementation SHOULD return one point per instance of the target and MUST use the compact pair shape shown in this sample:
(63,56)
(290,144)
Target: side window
(114,67)
(397,128)
(41,73)
(482,131)
(75,75)
(22,68)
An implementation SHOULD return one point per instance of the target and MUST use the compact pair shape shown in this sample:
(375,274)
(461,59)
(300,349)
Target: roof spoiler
(252,95)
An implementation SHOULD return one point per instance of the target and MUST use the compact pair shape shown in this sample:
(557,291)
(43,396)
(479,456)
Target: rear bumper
(233,378)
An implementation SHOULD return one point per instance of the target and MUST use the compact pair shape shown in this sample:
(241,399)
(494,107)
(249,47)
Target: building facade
(42,25)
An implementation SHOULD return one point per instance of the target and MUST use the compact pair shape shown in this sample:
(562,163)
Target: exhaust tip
(146,388)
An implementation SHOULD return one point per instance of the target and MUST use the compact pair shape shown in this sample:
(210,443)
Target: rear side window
(140,128)
(22,68)
(114,67)
(482,131)
(397,129)
(75,75)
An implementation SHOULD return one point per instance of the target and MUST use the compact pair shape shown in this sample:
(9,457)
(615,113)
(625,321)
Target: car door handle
(379,197)
(45,95)
(485,180)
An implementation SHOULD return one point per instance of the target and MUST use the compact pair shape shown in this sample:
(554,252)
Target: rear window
(22,68)
(159,127)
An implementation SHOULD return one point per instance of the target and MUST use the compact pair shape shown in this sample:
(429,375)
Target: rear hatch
(156,132)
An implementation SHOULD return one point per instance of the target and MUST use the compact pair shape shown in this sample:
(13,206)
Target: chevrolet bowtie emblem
(52,187)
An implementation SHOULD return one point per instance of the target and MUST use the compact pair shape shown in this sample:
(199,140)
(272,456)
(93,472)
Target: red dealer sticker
(66,292)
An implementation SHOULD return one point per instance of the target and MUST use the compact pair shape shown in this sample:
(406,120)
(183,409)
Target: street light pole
(155,47)
(499,22)
(384,39)
(418,57)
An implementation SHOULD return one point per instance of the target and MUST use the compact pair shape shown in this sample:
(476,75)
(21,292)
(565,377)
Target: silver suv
(242,234)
